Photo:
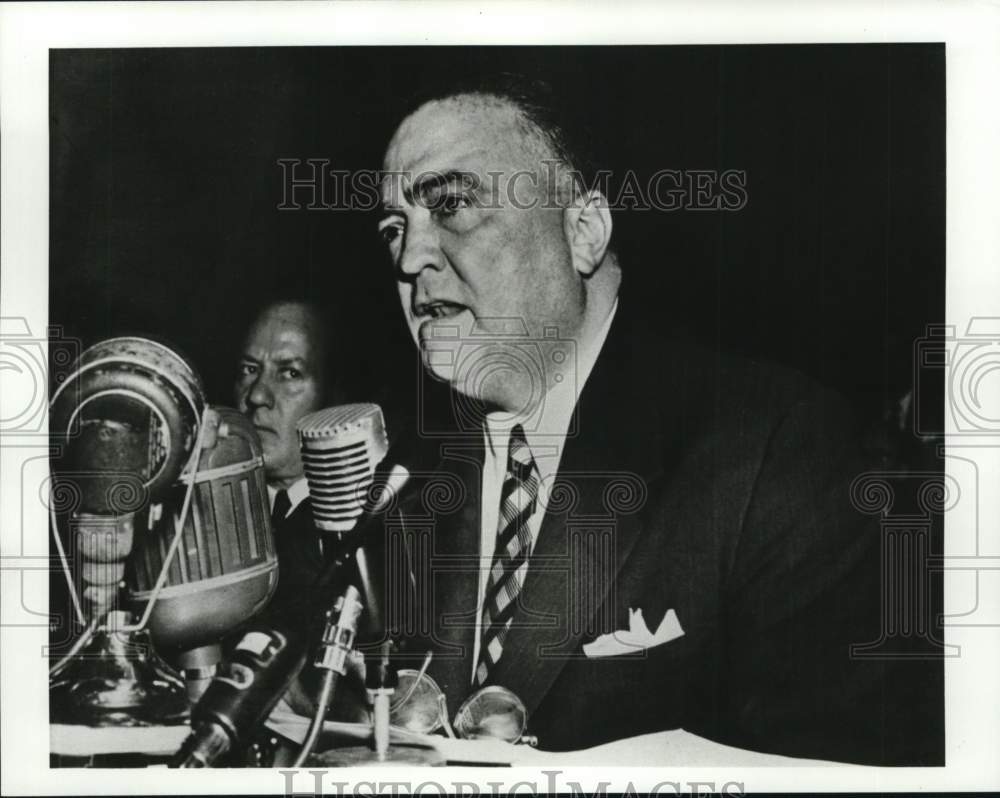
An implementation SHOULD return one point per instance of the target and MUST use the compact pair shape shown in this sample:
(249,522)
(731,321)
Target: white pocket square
(636,638)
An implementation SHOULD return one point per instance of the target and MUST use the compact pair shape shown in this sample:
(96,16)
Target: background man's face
(467,251)
(278,383)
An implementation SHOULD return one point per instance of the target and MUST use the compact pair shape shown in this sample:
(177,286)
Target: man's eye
(450,204)
(390,232)
(247,369)
(290,373)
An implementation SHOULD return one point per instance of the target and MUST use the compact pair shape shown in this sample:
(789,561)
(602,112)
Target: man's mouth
(438,309)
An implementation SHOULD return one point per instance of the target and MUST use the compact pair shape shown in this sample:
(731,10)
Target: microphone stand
(242,695)
(381,670)
(335,647)
(381,681)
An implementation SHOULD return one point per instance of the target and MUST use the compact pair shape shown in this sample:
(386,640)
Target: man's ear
(587,225)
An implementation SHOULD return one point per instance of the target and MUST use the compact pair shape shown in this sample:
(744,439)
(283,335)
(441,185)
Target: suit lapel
(590,526)
(443,546)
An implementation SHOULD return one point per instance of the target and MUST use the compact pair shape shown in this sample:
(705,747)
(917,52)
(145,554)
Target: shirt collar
(296,494)
(546,430)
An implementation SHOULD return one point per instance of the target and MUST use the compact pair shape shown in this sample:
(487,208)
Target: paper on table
(494,752)
(674,747)
(68,740)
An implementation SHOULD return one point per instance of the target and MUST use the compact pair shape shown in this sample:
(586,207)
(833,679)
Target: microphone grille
(341,446)
(343,419)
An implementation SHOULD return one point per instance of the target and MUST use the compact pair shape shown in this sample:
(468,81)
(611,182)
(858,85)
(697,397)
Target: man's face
(475,242)
(279,381)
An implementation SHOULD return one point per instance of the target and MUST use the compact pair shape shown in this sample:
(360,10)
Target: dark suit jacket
(301,561)
(300,558)
(709,485)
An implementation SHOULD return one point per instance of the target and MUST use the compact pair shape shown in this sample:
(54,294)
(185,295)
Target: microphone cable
(326,691)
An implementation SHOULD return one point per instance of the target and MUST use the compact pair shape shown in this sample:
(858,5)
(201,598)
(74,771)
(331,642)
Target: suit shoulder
(718,384)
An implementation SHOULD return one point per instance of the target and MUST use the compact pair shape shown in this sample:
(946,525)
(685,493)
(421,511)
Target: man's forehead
(469,134)
(285,331)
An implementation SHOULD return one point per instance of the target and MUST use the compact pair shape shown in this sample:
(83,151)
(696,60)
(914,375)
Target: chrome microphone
(225,569)
(341,447)
(169,492)
(123,426)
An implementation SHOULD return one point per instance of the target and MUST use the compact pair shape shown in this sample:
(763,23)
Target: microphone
(145,454)
(341,448)
(123,425)
(242,694)
(371,564)
(225,569)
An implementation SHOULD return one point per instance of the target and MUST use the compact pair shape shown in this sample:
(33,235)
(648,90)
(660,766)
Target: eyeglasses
(492,712)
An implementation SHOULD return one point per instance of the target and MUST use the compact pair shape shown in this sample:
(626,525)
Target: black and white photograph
(516,406)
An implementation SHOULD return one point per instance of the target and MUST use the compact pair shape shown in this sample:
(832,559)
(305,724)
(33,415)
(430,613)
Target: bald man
(649,535)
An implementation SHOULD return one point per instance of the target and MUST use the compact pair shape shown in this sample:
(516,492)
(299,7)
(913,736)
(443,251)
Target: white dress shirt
(296,493)
(545,431)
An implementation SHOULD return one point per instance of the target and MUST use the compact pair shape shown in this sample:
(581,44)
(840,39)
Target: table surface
(66,740)
(675,747)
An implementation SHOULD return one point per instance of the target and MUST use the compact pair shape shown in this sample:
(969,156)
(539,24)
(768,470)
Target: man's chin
(438,362)
(439,374)
(473,398)
(279,469)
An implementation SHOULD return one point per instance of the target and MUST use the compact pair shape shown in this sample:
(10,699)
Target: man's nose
(261,393)
(421,249)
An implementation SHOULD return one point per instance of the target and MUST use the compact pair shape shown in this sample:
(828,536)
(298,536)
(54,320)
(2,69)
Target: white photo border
(971,32)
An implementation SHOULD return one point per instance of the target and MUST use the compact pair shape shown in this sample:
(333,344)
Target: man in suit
(644,536)
(284,375)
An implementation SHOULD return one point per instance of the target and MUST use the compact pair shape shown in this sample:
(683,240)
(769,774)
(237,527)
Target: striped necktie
(518,499)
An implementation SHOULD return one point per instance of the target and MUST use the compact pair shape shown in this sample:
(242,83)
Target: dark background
(165,185)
